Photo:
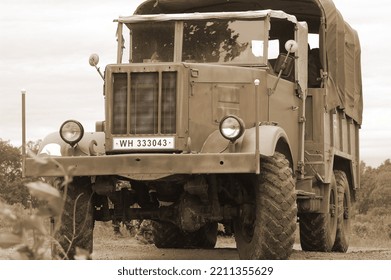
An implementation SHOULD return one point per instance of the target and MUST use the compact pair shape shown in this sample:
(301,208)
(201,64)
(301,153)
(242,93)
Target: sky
(45,46)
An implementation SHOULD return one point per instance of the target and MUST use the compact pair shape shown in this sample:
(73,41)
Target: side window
(273,52)
(314,64)
(281,30)
(313,40)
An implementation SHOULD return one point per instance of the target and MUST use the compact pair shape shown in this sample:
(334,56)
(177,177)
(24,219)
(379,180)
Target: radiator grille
(120,102)
(144,103)
(169,102)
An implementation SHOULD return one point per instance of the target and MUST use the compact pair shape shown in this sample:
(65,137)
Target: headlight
(71,132)
(231,127)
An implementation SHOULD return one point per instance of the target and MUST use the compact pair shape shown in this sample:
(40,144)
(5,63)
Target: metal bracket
(299,91)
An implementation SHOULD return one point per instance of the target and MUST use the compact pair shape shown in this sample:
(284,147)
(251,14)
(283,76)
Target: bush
(28,230)
(372,229)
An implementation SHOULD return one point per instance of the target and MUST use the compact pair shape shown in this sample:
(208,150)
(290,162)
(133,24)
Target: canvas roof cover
(340,46)
(210,15)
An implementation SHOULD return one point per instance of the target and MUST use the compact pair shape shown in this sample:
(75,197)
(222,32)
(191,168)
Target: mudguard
(92,143)
(271,138)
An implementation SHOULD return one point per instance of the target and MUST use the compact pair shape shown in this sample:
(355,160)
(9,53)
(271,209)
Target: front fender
(92,143)
(271,139)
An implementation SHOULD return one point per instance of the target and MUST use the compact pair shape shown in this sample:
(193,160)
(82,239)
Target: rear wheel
(167,235)
(77,224)
(266,226)
(318,230)
(344,208)
(204,238)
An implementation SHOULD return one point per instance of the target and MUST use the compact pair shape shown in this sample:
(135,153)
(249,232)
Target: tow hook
(91,148)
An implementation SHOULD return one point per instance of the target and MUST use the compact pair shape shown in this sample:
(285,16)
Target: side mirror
(94,60)
(291,46)
(285,63)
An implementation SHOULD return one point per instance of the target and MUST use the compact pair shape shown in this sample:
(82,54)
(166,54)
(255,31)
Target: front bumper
(135,164)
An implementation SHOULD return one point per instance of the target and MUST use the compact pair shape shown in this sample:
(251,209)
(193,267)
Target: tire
(344,211)
(318,230)
(167,235)
(267,229)
(77,223)
(204,238)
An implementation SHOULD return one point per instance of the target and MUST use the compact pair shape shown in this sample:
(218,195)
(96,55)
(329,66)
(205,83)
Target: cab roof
(304,10)
(208,15)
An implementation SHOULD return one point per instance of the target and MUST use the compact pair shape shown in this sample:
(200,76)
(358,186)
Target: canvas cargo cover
(340,46)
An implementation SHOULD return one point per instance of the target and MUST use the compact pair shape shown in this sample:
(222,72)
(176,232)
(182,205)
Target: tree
(12,188)
(375,189)
(33,146)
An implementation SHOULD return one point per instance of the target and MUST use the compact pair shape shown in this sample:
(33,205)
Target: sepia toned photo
(195,130)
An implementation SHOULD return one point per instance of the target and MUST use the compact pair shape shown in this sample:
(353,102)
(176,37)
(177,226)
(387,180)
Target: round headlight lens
(71,132)
(231,127)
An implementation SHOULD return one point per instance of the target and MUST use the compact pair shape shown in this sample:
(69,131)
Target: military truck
(244,113)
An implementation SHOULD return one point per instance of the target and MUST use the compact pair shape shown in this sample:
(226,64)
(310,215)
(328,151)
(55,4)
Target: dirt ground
(108,246)
(128,248)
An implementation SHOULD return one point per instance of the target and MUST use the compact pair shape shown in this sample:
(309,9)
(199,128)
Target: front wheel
(76,226)
(266,226)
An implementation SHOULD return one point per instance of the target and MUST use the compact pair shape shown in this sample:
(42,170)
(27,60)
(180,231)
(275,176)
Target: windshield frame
(179,19)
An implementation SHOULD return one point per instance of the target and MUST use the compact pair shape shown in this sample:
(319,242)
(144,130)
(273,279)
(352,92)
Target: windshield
(152,42)
(223,41)
(201,41)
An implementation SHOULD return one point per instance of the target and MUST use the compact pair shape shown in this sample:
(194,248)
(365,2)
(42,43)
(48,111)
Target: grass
(371,230)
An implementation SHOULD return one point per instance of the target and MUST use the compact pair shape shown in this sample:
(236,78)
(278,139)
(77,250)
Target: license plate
(144,143)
